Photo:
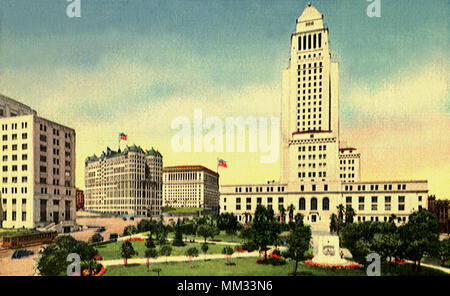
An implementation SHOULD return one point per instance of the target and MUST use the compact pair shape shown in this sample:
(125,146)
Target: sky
(134,66)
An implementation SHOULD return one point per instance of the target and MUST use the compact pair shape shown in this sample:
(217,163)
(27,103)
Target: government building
(124,182)
(191,186)
(317,172)
(37,171)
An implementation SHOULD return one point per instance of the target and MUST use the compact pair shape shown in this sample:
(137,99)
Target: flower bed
(239,250)
(399,261)
(333,266)
(135,239)
(98,257)
(101,272)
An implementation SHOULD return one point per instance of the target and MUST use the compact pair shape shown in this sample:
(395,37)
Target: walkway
(183,258)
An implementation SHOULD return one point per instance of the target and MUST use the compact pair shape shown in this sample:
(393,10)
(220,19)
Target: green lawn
(8,232)
(185,210)
(248,267)
(112,250)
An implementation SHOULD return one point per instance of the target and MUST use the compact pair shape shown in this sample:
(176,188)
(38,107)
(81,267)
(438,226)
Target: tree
(228,251)
(191,252)
(165,250)
(96,238)
(228,222)
(420,235)
(206,231)
(150,253)
(298,243)
(205,249)
(291,209)
(299,218)
(355,237)
(53,259)
(386,245)
(178,240)
(127,251)
(349,214)
(264,229)
(443,251)
(129,230)
(145,225)
(340,220)
(333,223)
(149,243)
(282,215)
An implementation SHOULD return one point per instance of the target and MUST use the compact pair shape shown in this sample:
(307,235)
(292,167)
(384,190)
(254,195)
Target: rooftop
(111,153)
(188,167)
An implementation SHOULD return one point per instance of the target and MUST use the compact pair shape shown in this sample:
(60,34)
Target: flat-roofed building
(37,171)
(125,182)
(191,186)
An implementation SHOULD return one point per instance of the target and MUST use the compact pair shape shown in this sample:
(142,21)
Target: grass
(248,267)
(435,261)
(185,210)
(12,232)
(112,250)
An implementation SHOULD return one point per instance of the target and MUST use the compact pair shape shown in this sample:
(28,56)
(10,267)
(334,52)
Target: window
(326,204)
(302,204)
(313,204)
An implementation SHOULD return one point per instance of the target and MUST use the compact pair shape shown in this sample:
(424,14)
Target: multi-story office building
(191,186)
(37,170)
(127,182)
(316,174)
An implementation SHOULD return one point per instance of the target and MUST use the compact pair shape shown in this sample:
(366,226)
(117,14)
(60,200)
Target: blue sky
(125,56)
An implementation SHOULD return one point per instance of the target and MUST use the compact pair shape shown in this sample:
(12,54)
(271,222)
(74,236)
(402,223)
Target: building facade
(441,208)
(191,186)
(317,174)
(127,182)
(37,170)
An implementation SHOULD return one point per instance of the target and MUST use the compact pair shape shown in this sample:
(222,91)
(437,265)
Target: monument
(327,250)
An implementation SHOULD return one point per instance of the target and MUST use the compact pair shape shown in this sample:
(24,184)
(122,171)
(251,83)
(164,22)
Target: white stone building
(127,182)
(37,170)
(193,186)
(317,174)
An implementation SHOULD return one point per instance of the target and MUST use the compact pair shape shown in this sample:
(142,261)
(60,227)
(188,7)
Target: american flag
(222,163)
(123,136)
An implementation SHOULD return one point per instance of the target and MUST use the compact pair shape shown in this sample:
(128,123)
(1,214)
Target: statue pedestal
(328,251)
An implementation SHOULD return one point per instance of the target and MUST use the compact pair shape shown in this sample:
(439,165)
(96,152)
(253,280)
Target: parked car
(124,218)
(132,218)
(22,253)
(113,237)
(100,229)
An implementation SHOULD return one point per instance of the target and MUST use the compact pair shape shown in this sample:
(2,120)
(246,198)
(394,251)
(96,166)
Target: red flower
(98,257)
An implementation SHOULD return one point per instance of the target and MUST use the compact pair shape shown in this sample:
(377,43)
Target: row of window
(14,137)
(14,125)
(310,41)
(260,189)
(14,147)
